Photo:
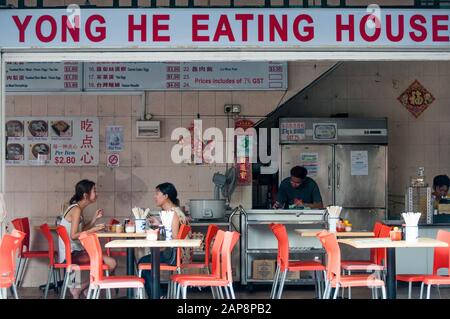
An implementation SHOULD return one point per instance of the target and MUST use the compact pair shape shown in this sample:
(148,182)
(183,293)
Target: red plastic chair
(97,281)
(362,265)
(210,234)
(334,277)
(377,260)
(23,225)
(440,260)
(226,277)
(109,251)
(8,248)
(284,265)
(182,234)
(70,267)
(215,268)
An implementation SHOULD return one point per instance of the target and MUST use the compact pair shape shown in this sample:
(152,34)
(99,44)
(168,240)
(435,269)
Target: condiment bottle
(162,233)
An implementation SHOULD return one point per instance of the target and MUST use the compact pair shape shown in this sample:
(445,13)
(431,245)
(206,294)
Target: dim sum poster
(52,141)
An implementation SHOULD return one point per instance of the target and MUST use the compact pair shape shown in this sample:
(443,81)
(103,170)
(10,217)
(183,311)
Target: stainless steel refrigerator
(347,157)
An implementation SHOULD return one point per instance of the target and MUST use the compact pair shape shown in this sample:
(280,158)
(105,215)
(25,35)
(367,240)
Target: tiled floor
(260,292)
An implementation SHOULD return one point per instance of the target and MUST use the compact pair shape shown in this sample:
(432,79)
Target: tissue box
(264,269)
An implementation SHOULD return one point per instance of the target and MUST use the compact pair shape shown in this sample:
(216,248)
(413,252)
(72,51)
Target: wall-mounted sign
(55,141)
(310,161)
(325,131)
(114,138)
(132,76)
(416,98)
(231,29)
(48,76)
(113,160)
(244,149)
(292,131)
(186,76)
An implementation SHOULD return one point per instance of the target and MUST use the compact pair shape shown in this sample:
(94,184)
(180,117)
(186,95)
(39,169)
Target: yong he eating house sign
(226,29)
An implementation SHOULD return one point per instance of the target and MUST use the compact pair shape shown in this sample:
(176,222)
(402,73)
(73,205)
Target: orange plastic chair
(215,268)
(8,248)
(224,281)
(362,265)
(440,260)
(334,277)
(70,267)
(109,251)
(284,265)
(182,234)
(23,225)
(97,281)
(210,234)
(376,263)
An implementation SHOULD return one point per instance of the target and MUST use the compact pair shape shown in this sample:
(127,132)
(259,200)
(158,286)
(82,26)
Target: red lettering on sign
(160,27)
(362,28)
(223,29)
(400,27)
(274,25)
(244,18)
(137,27)
(260,27)
(101,31)
(418,27)
(308,29)
(53,28)
(22,26)
(350,27)
(74,30)
(196,27)
(438,27)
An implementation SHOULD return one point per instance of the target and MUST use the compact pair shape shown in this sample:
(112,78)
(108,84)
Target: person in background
(441,184)
(74,222)
(165,197)
(298,191)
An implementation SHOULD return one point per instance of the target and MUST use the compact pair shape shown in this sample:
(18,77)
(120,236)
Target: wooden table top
(313,232)
(139,243)
(388,243)
(120,235)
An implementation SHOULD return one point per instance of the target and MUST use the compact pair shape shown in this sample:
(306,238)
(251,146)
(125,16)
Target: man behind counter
(441,183)
(298,191)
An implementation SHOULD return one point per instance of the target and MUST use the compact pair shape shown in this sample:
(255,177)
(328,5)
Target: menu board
(186,76)
(45,76)
(54,141)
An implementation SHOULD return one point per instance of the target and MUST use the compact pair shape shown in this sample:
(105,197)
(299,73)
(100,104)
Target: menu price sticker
(54,141)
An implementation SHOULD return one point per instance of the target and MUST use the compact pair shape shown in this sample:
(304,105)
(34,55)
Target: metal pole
(155,273)
(390,278)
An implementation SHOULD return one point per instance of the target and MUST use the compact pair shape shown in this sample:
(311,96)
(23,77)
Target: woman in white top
(73,221)
(166,198)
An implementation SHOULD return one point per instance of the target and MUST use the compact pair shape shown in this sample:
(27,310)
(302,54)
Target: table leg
(130,269)
(155,273)
(391,275)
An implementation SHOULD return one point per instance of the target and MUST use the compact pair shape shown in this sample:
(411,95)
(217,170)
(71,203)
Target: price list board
(185,76)
(43,77)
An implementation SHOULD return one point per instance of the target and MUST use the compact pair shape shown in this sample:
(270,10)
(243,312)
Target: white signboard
(35,76)
(229,29)
(55,141)
(292,131)
(186,76)
(359,163)
(114,138)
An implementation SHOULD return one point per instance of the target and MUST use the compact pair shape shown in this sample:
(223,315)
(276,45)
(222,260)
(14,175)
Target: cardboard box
(293,275)
(264,269)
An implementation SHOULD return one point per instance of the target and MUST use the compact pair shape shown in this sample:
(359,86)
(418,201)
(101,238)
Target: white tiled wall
(38,192)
